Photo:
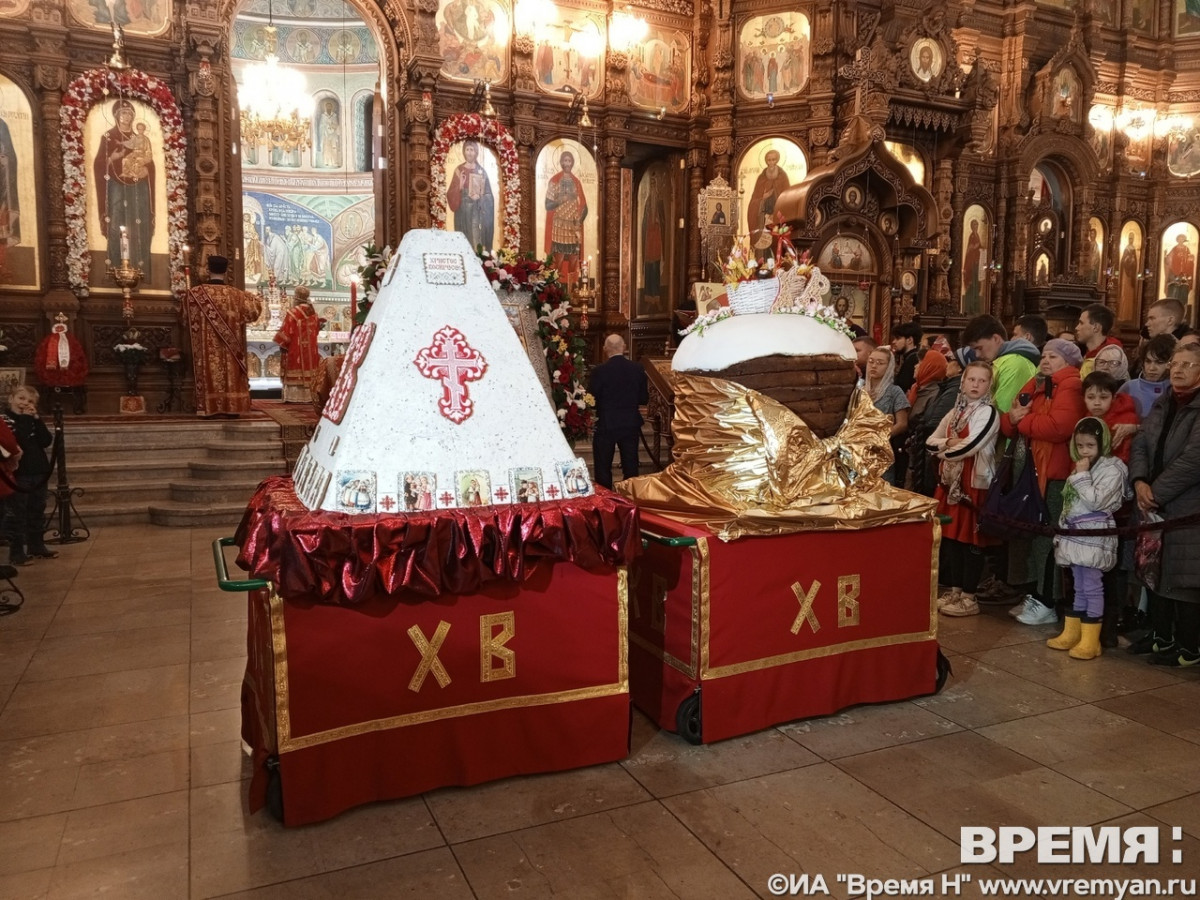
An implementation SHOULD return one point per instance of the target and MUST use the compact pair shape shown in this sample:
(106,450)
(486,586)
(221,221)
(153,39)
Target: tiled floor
(121,773)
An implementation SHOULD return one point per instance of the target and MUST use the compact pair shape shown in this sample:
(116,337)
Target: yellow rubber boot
(1070,634)
(1089,641)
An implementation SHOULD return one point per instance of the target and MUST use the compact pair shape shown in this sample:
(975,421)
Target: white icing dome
(742,338)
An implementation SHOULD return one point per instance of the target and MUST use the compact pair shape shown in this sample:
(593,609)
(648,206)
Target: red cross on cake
(454,362)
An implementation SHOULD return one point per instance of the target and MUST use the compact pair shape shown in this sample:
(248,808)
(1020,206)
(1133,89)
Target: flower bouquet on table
(131,354)
(564,346)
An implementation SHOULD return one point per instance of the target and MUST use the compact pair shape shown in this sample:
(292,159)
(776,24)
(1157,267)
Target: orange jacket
(10,452)
(1122,412)
(1050,423)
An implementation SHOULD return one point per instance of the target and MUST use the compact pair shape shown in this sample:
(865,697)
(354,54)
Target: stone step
(104,493)
(116,513)
(234,450)
(84,472)
(186,515)
(206,493)
(237,469)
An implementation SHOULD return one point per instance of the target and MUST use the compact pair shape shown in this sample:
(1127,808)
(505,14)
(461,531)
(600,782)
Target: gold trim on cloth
(747,465)
(286,743)
(933,578)
(768,662)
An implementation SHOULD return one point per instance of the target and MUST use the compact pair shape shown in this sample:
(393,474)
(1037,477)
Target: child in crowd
(1103,400)
(26,514)
(1153,382)
(1093,493)
(965,441)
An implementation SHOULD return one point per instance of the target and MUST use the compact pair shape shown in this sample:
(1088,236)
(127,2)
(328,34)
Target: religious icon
(1178,278)
(718,216)
(302,45)
(908,280)
(976,242)
(655,242)
(567,58)
(927,59)
(18,194)
(773,55)
(1045,225)
(470,197)
(1066,98)
(1183,152)
(889,223)
(1041,270)
(567,194)
(1129,274)
(345,46)
(1143,16)
(1187,17)
(143,17)
(327,148)
(846,254)
(774,164)
(474,37)
(1100,117)
(12,8)
(1094,251)
(852,197)
(526,485)
(474,487)
(660,71)
(123,145)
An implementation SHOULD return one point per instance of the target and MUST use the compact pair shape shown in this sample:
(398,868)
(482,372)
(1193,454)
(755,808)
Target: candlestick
(187,266)
(353,303)
(124,243)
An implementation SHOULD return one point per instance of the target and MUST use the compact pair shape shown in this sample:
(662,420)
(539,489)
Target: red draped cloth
(216,316)
(350,559)
(301,357)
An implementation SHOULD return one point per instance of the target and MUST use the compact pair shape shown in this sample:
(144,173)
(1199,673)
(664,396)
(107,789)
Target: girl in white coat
(965,441)
(1094,491)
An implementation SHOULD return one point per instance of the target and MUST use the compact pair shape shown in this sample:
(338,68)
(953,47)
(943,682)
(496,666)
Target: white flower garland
(96,86)
(474,127)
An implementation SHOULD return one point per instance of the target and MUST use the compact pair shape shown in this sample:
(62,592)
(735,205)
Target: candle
(124,244)
(187,266)
(353,303)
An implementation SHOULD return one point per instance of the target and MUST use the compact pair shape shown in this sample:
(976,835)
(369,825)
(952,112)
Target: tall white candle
(124,243)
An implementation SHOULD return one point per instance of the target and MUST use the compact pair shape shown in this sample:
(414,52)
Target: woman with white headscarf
(887,397)
(1112,361)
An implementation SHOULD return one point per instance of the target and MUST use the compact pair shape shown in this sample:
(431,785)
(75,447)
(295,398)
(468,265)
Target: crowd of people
(1100,452)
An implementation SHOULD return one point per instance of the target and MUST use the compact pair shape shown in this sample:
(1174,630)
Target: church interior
(936,160)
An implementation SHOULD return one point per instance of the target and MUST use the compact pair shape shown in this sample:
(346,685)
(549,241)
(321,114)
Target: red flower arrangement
(96,86)
(564,347)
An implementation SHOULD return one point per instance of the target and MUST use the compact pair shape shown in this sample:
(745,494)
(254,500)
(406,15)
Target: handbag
(1013,500)
(1147,553)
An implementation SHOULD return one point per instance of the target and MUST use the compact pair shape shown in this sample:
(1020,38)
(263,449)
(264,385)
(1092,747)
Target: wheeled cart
(730,638)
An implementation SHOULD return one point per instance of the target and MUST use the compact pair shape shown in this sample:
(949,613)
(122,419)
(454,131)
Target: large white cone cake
(437,405)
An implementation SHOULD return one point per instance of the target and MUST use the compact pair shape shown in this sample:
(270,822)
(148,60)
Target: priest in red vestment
(297,339)
(215,316)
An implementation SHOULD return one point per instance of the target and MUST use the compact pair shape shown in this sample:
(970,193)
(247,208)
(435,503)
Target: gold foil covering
(747,465)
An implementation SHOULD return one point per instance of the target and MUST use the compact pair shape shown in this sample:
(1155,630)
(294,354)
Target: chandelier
(626,29)
(271,97)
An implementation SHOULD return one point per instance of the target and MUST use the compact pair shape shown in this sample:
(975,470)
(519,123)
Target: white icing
(741,338)
(392,423)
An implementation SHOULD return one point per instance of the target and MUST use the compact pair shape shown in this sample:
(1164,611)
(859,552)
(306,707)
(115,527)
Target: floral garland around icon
(565,348)
(97,86)
(474,127)
(370,274)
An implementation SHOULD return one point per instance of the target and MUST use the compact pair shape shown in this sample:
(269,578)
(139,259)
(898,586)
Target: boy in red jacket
(1119,412)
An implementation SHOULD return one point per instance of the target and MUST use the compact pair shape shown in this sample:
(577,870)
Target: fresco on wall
(18,194)
(766,170)
(126,186)
(474,36)
(13,8)
(1129,274)
(1187,18)
(473,194)
(311,45)
(660,71)
(656,241)
(1143,16)
(134,16)
(286,238)
(908,155)
(846,254)
(1183,152)
(976,252)
(567,57)
(1177,279)
(327,134)
(1100,117)
(568,203)
(773,55)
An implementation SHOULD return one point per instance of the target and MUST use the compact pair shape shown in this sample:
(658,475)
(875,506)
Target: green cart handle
(945,520)
(682,541)
(223,580)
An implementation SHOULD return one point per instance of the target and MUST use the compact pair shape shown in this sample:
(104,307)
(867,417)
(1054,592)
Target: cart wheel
(274,789)
(944,671)
(687,718)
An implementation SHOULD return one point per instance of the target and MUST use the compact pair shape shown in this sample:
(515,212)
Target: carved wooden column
(697,161)
(1000,298)
(217,229)
(614,152)
(958,204)
(943,191)
(50,78)
(418,121)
